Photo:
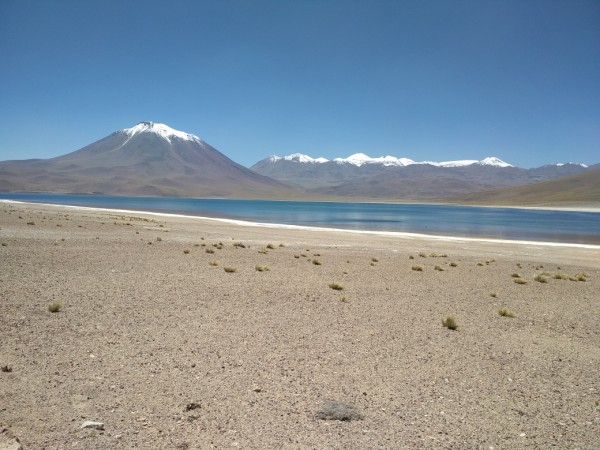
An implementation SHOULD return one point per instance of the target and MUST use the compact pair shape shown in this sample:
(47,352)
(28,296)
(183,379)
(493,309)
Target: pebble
(92,424)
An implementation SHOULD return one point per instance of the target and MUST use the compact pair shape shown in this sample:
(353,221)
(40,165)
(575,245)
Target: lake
(466,221)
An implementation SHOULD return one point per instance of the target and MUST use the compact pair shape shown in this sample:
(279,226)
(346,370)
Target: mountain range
(151,159)
(401,178)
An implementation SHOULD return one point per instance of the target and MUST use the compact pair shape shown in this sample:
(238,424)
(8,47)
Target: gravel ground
(169,351)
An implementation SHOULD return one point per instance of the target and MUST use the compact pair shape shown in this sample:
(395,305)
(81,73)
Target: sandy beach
(187,333)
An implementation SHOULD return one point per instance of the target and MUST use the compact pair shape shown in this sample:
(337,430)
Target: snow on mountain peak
(161,129)
(359,159)
(299,157)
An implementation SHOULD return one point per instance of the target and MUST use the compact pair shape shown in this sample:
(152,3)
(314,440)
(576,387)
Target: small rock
(93,425)
(8,441)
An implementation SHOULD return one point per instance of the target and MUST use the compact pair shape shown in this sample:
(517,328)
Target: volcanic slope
(149,159)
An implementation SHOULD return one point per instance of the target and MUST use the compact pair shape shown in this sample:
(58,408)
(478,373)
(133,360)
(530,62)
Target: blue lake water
(499,223)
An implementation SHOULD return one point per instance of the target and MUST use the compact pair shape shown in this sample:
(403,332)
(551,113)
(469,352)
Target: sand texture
(169,351)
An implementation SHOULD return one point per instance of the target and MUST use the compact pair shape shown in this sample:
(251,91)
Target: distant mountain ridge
(359,159)
(146,159)
(390,177)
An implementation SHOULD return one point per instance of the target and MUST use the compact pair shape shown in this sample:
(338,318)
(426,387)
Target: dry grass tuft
(417,268)
(336,286)
(270,246)
(239,245)
(262,268)
(505,312)
(453,264)
(493,294)
(209,250)
(541,278)
(213,263)
(316,262)
(186,251)
(450,323)
(438,268)
(520,280)
(229,269)
(55,307)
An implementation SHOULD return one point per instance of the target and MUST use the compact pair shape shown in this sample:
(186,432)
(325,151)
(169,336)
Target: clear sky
(422,79)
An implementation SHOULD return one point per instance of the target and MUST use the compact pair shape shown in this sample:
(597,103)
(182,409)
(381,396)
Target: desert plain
(190,333)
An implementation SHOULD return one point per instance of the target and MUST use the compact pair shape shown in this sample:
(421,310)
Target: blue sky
(423,79)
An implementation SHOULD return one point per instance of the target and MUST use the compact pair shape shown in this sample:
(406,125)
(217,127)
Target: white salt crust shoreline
(398,234)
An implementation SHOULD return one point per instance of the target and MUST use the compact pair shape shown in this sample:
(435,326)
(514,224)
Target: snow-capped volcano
(146,159)
(161,130)
(360,159)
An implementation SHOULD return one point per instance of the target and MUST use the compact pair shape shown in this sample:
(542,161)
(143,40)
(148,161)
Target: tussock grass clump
(515,275)
(541,278)
(6,369)
(506,313)
(158,239)
(422,255)
(282,245)
(263,251)
(344,299)
(270,246)
(374,260)
(229,269)
(560,276)
(411,257)
(239,245)
(520,280)
(453,264)
(209,250)
(303,255)
(581,277)
(336,286)
(262,268)
(493,294)
(31,223)
(438,268)
(334,410)
(297,256)
(316,262)
(4,244)
(417,268)
(186,251)
(450,323)
(480,264)
(213,263)
(55,307)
